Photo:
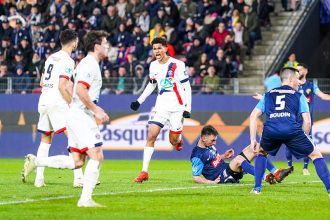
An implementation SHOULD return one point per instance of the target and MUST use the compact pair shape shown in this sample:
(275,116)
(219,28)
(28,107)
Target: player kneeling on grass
(208,166)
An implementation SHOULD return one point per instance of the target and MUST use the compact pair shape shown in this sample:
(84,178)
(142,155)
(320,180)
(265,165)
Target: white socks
(59,161)
(43,151)
(147,153)
(91,176)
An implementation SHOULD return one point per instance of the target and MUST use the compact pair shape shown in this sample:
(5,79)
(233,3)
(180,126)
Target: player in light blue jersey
(287,122)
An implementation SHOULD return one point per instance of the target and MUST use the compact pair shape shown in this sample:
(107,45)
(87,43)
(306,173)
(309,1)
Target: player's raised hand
(257,96)
(100,114)
(229,153)
(186,114)
(135,105)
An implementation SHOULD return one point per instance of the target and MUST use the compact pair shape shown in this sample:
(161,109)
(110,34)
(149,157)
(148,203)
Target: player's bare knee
(79,164)
(315,154)
(151,137)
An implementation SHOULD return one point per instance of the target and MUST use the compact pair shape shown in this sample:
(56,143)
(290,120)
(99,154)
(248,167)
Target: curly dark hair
(159,40)
(67,36)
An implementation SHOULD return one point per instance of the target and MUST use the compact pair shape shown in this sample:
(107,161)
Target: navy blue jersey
(283,107)
(309,89)
(207,162)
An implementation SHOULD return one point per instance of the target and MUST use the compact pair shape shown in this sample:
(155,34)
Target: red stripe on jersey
(175,132)
(173,68)
(82,151)
(176,91)
(85,83)
(60,130)
(64,76)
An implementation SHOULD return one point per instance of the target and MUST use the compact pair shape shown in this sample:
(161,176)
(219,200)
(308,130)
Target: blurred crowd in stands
(211,36)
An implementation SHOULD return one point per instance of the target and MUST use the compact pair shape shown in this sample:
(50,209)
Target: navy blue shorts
(299,144)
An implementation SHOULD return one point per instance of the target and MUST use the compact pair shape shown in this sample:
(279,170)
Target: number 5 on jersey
(280,102)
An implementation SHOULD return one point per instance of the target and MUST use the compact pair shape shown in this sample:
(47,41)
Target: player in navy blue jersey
(309,89)
(287,122)
(208,166)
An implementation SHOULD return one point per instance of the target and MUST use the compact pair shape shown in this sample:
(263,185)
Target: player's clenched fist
(135,105)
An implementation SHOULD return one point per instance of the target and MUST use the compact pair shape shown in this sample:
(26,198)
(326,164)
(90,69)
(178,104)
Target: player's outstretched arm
(257,96)
(323,95)
(147,91)
(187,90)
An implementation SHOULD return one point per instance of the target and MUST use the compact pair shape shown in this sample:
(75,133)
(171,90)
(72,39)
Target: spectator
(18,60)
(152,6)
(34,70)
(220,34)
(239,5)
(292,62)
(172,36)
(205,7)
(137,36)
(233,19)
(139,81)
(157,31)
(202,64)
(112,54)
(171,10)
(263,13)
(18,33)
(34,15)
(26,50)
(188,8)
(194,51)
(230,48)
(201,30)
(96,19)
(143,51)
(122,36)
(21,81)
(4,74)
(135,7)
(73,8)
(220,64)
(110,21)
(35,32)
(2,57)
(160,18)
(211,81)
(238,31)
(6,49)
(107,81)
(40,48)
(210,48)
(194,79)
(130,65)
(144,21)
(121,8)
(232,68)
(5,30)
(122,82)
(251,27)
(53,45)
(51,32)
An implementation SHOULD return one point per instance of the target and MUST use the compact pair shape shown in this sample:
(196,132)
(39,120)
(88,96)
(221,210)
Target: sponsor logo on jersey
(216,161)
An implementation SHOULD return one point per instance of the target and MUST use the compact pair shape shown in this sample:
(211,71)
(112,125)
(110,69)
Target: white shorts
(83,132)
(52,118)
(175,120)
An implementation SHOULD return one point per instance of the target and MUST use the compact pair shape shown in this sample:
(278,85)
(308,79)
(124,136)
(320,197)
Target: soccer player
(83,132)
(284,108)
(173,101)
(209,167)
(309,89)
(54,101)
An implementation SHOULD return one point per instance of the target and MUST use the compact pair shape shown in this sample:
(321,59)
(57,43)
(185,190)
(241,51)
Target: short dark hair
(303,65)
(92,38)
(159,40)
(67,36)
(209,130)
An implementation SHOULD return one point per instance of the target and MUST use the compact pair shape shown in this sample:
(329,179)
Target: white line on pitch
(141,191)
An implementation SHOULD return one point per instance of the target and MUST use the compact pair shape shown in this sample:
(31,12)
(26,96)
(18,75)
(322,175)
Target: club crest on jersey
(68,70)
(308,91)
(166,83)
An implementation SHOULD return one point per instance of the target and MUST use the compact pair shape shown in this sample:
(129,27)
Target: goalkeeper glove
(186,114)
(135,105)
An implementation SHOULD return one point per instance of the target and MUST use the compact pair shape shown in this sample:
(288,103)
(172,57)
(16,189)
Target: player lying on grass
(209,167)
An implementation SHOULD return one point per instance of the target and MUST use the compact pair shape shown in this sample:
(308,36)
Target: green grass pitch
(169,194)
